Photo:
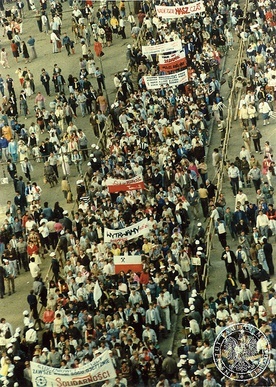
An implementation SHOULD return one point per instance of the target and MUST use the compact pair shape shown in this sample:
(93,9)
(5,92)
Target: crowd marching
(168,100)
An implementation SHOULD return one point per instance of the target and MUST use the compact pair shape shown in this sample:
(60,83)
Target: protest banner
(127,233)
(117,185)
(158,81)
(128,262)
(175,45)
(179,11)
(172,62)
(99,369)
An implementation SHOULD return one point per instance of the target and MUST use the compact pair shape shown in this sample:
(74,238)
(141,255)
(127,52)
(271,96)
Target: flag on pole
(97,293)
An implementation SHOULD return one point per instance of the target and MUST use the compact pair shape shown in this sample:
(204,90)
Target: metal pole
(104,83)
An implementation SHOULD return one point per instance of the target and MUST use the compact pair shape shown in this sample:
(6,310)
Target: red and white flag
(119,185)
(128,262)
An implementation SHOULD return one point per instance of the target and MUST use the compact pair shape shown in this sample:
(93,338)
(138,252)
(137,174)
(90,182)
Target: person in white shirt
(245,153)
(241,197)
(262,223)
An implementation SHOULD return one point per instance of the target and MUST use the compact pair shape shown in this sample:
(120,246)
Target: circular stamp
(241,352)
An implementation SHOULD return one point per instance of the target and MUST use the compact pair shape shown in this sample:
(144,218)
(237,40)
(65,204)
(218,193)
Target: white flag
(97,293)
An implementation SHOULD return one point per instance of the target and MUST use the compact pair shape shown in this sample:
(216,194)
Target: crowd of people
(162,135)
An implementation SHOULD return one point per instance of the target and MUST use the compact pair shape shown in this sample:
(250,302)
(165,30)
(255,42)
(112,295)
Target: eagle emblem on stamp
(241,352)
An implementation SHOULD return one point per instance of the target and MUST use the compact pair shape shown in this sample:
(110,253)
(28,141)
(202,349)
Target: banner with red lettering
(128,262)
(158,81)
(179,11)
(172,62)
(176,45)
(118,185)
(99,369)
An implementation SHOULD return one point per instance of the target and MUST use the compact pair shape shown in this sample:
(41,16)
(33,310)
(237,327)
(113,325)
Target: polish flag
(128,262)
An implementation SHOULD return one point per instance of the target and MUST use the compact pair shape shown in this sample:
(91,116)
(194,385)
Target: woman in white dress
(27,87)
(4,59)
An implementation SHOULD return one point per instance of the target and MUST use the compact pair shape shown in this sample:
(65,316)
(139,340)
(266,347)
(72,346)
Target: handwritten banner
(158,81)
(99,369)
(172,62)
(175,45)
(127,233)
(179,11)
(117,185)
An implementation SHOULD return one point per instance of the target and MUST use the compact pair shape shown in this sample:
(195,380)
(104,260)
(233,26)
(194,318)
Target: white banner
(99,369)
(158,81)
(176,45)
(127,233)
(179,11)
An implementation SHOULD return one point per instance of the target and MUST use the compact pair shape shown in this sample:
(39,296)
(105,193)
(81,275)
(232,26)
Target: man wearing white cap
(66,222)
(31,339)
(169,366)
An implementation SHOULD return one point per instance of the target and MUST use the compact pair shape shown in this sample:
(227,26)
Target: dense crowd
(162,135)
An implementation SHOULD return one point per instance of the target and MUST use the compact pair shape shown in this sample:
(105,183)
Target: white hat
(191,361)
(200,248)
(197,242)
(97,352)
(93,146)
(186,310)
(191,300)
(25,313)
(129,46)
(198,253)
(197,372)
(183,356)
(62,232)
(89,164)
(52,254)
(65,212)
(45,350)
(169,353)
(199,224)
(10,375)
(17,358)
(97,147)
(194,292)
(183,341)
(31,325)
(192,307)
(16,334)
(183,373)
(42,221)
(13,340)
(162,267)
(18,329)
(9,345)
(5,260)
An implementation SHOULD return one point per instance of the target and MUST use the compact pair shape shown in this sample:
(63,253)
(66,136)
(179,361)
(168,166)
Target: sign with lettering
(179,11)
(99,369)
(117,185)
(162,48)
(127,233)
(158,81)
(172,62)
